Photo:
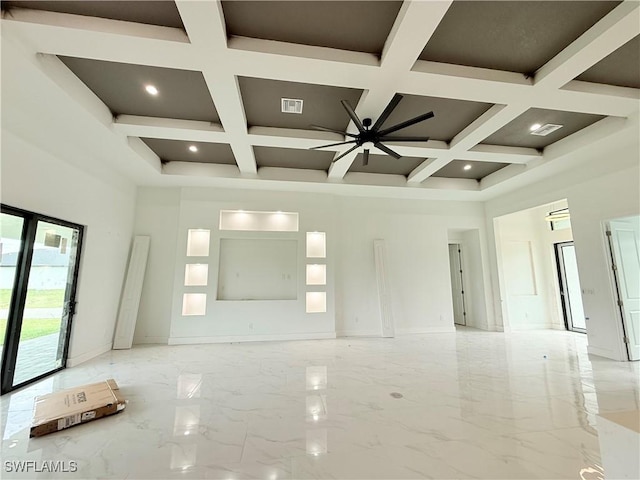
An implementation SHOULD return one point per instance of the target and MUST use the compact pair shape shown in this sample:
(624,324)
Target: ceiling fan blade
(353,115)
(325,129)
(408,123)
(387,111)
(387,150)
(404,139)
(332,145)
(365,157)
(345,153)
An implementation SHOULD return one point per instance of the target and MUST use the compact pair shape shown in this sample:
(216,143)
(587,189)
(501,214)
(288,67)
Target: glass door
(11,227)
(42,296)
(570,291)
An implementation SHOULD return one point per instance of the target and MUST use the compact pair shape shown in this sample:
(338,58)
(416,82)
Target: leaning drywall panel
(131,293)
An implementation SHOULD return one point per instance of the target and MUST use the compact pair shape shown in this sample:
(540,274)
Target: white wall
(156,215)
(416,238)
(606,185)
(35,180)
(166,214)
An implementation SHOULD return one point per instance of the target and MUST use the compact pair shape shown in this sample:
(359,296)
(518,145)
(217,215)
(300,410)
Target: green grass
(33,328)
(35,298)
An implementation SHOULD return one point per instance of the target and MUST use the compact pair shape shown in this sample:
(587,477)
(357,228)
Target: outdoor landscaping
(36,299)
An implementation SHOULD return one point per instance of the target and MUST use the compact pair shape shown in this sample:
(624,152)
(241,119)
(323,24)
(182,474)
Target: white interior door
(457,290)
(625,240)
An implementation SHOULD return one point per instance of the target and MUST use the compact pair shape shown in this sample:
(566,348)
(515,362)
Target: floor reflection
(512,406)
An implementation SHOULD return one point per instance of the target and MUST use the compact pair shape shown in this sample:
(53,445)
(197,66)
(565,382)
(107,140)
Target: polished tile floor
(470,404)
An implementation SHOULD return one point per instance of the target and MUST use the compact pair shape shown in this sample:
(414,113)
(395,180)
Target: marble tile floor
(469,404)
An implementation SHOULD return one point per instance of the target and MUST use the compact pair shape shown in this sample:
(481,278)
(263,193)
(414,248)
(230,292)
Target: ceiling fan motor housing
(373,137)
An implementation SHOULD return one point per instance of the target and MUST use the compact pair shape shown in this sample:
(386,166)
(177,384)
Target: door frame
(19,295)
(615,280)
(562,284)
(458,246)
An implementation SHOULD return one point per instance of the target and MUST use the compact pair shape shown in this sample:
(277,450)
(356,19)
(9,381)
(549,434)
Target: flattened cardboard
(66,408)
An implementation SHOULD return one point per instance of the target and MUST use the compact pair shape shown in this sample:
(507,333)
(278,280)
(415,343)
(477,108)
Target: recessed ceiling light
(535,126)
(467,167)
(193,148)
(151,90)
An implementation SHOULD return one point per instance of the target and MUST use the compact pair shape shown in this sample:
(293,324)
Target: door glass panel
(573,287)
(45,317)
(10,239)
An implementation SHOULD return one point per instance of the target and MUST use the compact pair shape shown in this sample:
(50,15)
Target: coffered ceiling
(488,71)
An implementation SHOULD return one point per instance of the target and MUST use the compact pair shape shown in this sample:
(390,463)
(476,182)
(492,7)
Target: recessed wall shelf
(316,274)
(194,304)
(196,274)
(198,242)
(316,245)
(242,220)
(316,302)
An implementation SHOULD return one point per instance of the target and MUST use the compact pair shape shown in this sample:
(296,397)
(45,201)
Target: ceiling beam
(610,33)
(169,128)
(102,39)
(486,124)
(338,169)
(204,22)
(426,169)
(414,25)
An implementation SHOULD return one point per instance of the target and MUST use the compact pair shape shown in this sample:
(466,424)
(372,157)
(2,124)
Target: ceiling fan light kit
(369,136)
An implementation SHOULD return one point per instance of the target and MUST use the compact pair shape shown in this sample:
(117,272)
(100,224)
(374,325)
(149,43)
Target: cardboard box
(64,409)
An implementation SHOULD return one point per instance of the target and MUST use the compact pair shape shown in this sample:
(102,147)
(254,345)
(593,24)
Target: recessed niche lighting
(467,167)
(193,148)
(534,127)
(151,90)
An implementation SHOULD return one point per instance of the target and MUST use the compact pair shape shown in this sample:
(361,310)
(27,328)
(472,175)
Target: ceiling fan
(374,136)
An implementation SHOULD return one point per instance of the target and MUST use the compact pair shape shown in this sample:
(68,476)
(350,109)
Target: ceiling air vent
(291,105)
(546,129)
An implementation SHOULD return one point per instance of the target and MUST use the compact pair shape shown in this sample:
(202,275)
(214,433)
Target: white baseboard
(359,333)
(485,328)
(150,340)
(77,360)
(415,330)
(604,352)
(250,338)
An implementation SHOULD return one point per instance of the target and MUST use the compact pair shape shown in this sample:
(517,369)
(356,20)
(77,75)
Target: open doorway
(570,291)
(457,284)
(538,270)
(468,275)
